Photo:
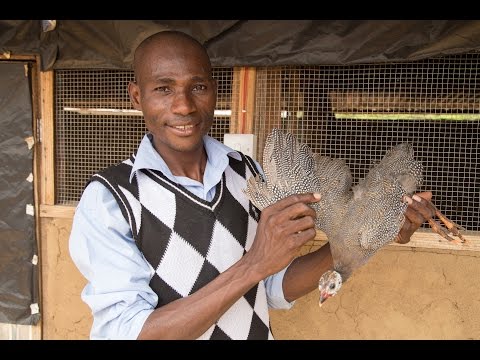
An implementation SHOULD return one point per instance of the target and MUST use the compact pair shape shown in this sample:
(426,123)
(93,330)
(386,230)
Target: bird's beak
(322,299)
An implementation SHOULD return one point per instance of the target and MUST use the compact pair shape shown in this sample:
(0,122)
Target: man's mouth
(184,127)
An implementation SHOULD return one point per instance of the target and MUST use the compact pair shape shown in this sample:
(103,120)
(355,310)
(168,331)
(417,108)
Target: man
(169,244)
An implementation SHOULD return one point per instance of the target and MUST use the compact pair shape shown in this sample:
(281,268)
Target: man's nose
(183,103)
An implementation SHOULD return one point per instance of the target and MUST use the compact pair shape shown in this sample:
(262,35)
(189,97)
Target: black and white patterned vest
(189,241)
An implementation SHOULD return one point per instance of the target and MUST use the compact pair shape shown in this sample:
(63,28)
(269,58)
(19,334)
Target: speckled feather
(358,220)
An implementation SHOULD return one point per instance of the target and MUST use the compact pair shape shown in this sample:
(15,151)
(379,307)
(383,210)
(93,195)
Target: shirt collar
(148,158)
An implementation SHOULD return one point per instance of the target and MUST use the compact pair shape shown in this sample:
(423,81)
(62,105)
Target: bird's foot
(451,228)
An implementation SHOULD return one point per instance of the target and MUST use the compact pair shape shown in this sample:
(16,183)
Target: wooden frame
(242,121)
(47,193)
(243,107)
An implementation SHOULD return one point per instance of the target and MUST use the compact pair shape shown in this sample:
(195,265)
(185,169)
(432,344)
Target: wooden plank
(57,211)
(243,106)
(20,332)
(423,238)
(234,119)
(361,101)
(7,56)
(431,240)
(47,192)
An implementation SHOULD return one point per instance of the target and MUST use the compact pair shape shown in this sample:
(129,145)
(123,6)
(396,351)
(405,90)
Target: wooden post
(47,193)
(243,106)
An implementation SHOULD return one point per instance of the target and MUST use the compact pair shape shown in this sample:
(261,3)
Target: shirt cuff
(274,287)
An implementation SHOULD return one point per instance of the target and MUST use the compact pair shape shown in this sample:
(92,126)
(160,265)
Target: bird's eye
(332,286)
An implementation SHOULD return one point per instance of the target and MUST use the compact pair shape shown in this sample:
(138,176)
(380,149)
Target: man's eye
(199,88)
(161,89)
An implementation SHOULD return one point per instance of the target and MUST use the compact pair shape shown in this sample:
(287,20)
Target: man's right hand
(282,230)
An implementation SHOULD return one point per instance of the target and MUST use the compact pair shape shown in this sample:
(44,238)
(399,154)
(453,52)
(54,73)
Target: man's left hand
(419,210)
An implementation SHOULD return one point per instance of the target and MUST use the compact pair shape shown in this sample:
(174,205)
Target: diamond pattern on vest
(189,241)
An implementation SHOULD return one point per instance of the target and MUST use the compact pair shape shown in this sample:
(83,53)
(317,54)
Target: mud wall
(402,293)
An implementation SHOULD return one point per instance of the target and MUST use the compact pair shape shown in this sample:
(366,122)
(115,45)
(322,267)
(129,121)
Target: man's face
(177,96)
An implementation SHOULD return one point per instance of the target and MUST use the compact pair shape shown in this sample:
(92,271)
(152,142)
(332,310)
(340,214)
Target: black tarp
(18,274)
(109,43)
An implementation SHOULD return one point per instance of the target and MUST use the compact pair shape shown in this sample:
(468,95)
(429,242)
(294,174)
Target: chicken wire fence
(96,126)
(352,112)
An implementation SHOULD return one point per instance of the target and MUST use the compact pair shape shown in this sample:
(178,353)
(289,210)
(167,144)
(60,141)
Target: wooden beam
(47,193)
(422,238)
(20,332)
(243,106)
(384,101)
(9,57)
(57,211)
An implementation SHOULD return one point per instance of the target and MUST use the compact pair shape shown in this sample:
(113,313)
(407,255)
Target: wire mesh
(96,126)
(352,112)
(358,112)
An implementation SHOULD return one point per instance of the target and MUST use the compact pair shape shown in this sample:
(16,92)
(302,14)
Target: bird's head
(329,284)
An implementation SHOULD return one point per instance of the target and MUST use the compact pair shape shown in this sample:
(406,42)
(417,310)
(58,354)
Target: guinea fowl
(358,220)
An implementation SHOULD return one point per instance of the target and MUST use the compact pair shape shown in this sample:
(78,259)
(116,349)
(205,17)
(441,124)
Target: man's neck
(191,165)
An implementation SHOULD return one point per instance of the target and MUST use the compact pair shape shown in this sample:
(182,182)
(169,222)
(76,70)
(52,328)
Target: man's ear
(134,93)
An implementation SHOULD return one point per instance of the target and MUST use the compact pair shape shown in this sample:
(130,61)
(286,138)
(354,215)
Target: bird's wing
(378,200)
(289,168)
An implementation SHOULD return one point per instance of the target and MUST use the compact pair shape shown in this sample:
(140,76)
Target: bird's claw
(453,228)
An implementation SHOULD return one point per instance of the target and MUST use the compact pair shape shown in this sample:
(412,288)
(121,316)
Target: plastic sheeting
(109,43)
(18,274)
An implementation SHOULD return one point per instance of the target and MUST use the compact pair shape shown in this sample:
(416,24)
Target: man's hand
(283,228)
(419,210)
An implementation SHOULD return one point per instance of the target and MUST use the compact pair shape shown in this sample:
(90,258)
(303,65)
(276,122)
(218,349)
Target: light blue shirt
(102,247)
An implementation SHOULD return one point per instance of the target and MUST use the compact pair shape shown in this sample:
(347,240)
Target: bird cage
(353,112)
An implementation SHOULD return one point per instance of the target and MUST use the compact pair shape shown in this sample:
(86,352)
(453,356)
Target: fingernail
(407,199)
(417,198)
(317,195)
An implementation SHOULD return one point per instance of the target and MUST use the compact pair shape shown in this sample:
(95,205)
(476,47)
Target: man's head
(175,91)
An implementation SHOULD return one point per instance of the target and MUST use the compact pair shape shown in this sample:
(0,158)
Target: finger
(303,237)
(306,198)
(401,240)
(296,211)
(301,224)
(415,217)
(418,212)
(425,206)
(427,195)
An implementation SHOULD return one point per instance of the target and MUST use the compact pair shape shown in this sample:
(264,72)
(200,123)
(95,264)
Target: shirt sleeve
(274,290)
(118,276)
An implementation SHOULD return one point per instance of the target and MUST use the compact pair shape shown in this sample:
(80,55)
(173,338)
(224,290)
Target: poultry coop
(354,112)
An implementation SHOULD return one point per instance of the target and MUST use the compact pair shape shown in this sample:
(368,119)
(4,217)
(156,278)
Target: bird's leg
(452,227)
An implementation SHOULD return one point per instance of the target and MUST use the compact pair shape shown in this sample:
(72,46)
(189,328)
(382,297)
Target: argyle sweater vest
(189,241)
